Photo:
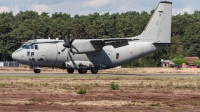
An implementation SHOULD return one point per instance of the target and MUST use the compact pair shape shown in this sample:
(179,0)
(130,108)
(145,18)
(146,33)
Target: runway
(99,75)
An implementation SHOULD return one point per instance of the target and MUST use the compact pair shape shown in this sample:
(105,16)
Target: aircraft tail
(158,30)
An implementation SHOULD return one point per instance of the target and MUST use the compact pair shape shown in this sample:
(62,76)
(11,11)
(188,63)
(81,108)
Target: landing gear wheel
(37,70)
(70,70)
(82,71)
(94,71)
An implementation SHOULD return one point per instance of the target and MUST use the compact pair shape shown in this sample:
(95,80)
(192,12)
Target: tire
(70,70)
(37,70)
(94,71)
(82,71)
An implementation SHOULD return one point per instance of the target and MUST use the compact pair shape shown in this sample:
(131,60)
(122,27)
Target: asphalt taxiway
(99,74)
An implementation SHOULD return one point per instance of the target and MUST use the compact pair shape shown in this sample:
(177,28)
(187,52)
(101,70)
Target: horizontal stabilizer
(164,43)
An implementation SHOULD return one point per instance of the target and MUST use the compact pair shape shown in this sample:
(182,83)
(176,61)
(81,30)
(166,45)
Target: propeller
(68,41)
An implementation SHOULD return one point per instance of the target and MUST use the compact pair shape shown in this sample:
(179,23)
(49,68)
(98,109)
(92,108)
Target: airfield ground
(113,70)
(47,93)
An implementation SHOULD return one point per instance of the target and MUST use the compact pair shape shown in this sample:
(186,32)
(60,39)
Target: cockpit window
(32,46)
(36,47)
(25,47)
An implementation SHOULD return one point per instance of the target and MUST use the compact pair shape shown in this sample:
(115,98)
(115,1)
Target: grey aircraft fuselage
(95,54)
(51,54)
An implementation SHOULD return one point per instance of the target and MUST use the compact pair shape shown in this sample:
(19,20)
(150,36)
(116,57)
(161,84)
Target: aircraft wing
(96,45)
(111,40)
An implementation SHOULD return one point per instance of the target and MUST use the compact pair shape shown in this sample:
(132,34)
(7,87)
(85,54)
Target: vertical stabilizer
(158,30)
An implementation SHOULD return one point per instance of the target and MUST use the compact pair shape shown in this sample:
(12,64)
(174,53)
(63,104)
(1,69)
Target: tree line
(27,25)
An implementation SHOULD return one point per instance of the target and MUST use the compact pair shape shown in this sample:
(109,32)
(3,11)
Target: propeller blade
(63,49)
(65,40)
(68,42)
(71,42)
(68,35)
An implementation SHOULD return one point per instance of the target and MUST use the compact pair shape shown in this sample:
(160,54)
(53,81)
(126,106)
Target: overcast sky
(85,7)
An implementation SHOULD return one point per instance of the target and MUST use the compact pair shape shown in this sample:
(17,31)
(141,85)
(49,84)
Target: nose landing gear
(37,71)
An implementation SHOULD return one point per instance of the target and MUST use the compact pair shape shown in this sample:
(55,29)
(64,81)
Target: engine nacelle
(84,64)
(85,46)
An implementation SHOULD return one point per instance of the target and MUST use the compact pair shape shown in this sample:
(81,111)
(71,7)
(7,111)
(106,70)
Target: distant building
(167,63)
(191,60)
(1,64)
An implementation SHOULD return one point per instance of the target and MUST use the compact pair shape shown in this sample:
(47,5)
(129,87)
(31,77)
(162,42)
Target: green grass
(114,86)
(155,105)
(44,84)
(2,85)
(185,87)
(134,82)
(82,91)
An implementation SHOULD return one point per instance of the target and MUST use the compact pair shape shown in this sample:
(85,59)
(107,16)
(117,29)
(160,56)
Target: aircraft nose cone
(14,56)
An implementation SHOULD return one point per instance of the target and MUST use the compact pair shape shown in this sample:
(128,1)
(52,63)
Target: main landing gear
(94,71)
(70,70)
(82,70)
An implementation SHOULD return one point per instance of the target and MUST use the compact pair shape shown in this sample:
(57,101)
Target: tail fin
(158,29)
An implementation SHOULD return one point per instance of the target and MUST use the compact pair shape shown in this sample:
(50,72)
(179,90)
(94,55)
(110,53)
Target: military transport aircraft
(96,54)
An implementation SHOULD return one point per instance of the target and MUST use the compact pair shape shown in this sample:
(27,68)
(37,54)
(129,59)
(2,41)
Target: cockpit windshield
(25,46)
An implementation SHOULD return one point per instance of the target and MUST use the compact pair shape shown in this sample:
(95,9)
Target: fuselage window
(28,53)
(36,47)
(117,56)
(32,54)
